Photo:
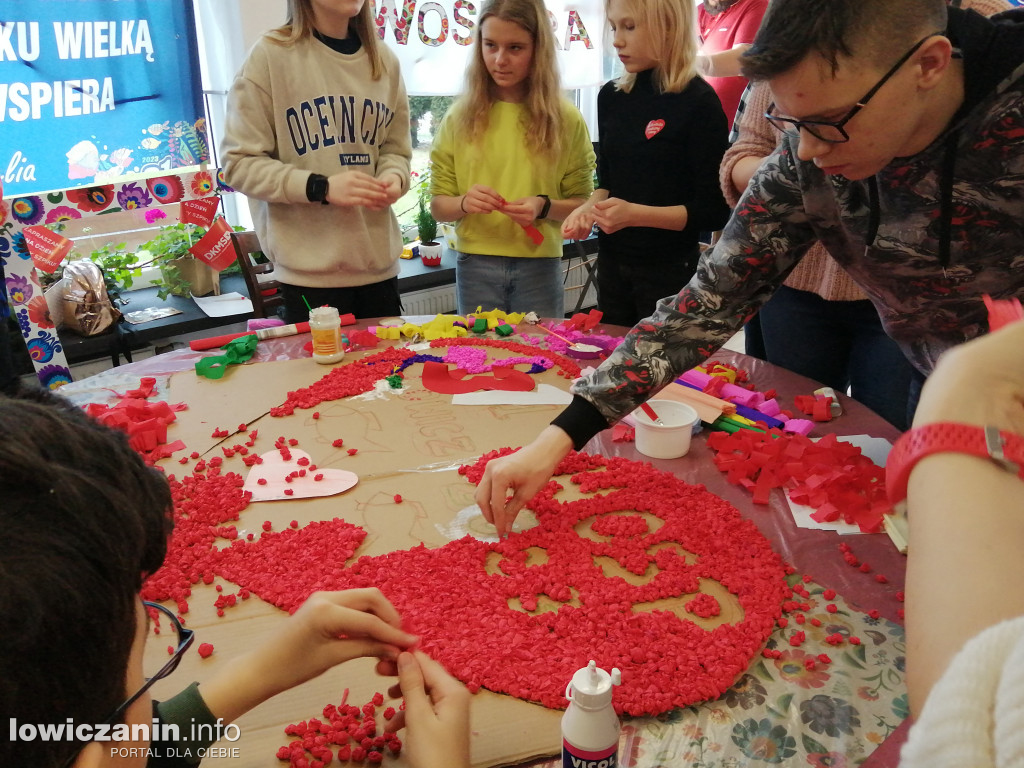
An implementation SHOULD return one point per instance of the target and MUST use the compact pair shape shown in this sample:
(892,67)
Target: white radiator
(433,301)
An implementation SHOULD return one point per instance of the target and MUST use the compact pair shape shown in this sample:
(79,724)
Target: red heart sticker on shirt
(653,128)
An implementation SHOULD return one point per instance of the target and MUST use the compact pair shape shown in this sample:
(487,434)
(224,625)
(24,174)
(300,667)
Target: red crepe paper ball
(831,608)
(338,443)
(288,492)
(353,451)
(398,498)
(205,650)
(881,578)
(829,594)
(854,640)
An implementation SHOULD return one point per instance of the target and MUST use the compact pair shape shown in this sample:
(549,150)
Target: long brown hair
(299,26)
(544,103)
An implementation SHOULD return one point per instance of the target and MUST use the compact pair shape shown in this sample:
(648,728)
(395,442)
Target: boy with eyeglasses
(83,521)
(904,156)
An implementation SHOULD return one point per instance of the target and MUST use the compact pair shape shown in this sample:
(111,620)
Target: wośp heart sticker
(653,128)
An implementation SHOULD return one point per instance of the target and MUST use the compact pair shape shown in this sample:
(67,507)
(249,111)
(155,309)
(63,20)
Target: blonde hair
(669,26)
(300,26)
(544,116)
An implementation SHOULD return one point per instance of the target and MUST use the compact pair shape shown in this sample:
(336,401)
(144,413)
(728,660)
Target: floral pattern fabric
(785,711)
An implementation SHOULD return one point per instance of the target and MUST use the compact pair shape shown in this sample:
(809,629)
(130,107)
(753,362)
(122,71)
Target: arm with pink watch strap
(962,465)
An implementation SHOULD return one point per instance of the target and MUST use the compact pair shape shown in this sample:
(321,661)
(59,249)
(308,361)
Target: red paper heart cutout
(437,377)
(653,128)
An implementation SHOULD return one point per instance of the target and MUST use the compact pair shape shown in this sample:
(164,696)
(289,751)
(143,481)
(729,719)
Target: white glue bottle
(590,729)
(325,325)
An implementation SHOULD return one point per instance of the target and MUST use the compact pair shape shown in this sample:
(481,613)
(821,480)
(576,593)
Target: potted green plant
(181,273)
(426,224)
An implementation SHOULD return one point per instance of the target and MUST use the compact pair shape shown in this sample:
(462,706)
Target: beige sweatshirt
(302,109)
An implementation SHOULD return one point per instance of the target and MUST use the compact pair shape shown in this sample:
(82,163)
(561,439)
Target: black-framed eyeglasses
(185,638)
(834,132)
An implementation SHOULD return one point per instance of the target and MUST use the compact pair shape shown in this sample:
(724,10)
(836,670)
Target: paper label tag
(215,246)
(47,248)
(200,211)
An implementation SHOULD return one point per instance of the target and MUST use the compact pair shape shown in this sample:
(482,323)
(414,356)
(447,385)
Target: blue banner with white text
(93,91)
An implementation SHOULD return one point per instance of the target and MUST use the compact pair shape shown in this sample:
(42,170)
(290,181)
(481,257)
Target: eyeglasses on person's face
(835,132)
(185,638)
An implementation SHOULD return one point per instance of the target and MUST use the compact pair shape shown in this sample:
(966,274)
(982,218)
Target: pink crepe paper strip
(726,391)
(798,426)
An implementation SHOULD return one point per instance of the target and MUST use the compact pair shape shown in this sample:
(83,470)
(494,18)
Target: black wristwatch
(546,209)
(316,188)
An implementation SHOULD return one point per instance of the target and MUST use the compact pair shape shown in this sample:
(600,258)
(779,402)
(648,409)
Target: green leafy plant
(171,243)
(122,267)
(425,221)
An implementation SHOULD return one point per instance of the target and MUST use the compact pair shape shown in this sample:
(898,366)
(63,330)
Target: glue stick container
(590,728)
(669,439)
(325,325)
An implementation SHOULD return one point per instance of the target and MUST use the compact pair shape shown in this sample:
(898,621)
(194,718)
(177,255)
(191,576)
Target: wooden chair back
(265,294)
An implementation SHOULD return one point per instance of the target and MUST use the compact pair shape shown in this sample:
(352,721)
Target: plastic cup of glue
(584,351)
(671,438)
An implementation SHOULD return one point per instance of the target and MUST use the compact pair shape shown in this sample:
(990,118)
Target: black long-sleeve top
(662,149)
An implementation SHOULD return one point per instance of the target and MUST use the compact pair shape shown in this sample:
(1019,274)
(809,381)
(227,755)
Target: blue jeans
(509,283)
(841,344)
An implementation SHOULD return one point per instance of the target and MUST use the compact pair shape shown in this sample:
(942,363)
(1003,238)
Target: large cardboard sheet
(409,443)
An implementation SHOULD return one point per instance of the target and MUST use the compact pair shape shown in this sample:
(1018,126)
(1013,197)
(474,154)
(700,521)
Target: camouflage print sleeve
(766,236)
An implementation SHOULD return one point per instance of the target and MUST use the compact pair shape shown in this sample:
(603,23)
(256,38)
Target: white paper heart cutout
(276,469)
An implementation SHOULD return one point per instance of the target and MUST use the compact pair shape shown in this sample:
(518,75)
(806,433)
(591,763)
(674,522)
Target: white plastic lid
(591,687)
(324,313)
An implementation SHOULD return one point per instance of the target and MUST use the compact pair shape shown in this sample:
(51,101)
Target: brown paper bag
(87,308)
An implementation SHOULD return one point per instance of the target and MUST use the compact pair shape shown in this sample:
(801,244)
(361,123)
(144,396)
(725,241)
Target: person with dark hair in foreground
(903,154)
(83,522)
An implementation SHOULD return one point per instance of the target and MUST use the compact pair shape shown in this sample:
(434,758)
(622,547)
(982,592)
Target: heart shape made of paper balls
(607,574)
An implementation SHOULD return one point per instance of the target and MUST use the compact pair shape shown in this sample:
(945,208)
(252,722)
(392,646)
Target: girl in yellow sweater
(510,160)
